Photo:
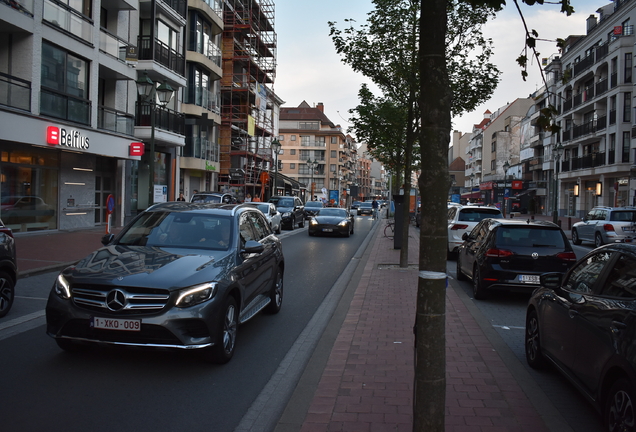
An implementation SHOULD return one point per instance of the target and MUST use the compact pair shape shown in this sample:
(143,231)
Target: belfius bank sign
(71,138)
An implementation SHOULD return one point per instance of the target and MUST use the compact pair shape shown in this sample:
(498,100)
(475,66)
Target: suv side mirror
(107,239)
(465,236)
(551,280)
(252,246)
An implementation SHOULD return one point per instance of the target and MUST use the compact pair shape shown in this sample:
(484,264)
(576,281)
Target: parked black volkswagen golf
(584,322)
(511,254)
(180,275)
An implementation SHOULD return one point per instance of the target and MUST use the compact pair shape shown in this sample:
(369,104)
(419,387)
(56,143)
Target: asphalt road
(106,389)
(507,313)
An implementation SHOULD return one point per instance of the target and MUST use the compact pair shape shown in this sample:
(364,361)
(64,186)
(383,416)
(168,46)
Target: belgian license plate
(534,279)
(327,230)
(116,324)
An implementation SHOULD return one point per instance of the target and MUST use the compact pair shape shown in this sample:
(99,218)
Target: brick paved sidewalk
(367,384)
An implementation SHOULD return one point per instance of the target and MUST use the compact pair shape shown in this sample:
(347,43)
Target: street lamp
(506,167)
(312,166)
(275,146)
(555,211)
(149,92)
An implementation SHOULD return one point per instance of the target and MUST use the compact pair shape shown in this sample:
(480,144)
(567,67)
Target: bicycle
(389,229)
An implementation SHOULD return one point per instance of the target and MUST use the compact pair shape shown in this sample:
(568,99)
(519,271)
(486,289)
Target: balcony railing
(68,20)
(15,92)
(211,51)
(601,86)
(161,53)
(165,118)
(24,6)
(111,44)
(313,144)
(567,105)
(65,107)
(115,121)
(206,99)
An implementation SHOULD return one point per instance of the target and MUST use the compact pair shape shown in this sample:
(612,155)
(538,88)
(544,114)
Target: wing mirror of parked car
(252,246)
(551,280)
(465,236)
(107,239)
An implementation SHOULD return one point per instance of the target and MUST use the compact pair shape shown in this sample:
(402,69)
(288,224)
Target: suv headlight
(343,223)
(62,287)
(197,294)
(286,214)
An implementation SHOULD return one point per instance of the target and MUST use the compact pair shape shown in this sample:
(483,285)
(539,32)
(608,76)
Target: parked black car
(8,269)
(584,323)
(511,254)
(180,275)
(291,209)
(331,221)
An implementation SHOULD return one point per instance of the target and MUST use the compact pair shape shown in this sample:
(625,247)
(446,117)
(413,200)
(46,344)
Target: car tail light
(608,227)
(498,253)
(567,256)
(458,227)
(6,231)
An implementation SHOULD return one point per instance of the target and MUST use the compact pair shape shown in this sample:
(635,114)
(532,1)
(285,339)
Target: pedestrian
(375,206)
(181,197)
(248,198)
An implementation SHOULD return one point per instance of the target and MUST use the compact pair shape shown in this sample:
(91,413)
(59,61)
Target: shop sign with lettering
(71,138)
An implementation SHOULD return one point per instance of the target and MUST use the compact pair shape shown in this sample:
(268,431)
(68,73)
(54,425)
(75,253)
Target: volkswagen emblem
(535,255)
(116,300)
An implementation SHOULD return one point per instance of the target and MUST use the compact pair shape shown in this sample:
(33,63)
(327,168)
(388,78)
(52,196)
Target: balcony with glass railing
(113,45)
(211,51)
(115,121)
(15,92)
(68,20)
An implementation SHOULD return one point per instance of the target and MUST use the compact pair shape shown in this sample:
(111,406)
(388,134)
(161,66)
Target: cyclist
(375,206)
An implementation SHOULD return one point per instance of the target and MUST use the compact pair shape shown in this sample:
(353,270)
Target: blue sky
(309,68)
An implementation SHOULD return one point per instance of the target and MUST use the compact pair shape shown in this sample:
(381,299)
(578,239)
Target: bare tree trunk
(435,104)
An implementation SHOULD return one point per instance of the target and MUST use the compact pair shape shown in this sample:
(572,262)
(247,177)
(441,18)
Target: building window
(493,146)
(309,125)
(64,85)
(333,154)
(627,107)
(334,140)
(292,151)
(281,138)
(292,166)
(168,36)
(332,168)
(626,142)
(293,137)
(320,141)
(628,67)
(305,140)
(82,6)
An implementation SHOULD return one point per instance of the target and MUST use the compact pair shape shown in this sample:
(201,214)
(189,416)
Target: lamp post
(275,146)
(312,166)
(149,92)
(506,167)
(555,211)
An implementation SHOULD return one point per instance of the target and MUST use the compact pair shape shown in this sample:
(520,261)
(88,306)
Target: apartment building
(199,160)
(67,112)
(495,145)
(597,112)
(307,135)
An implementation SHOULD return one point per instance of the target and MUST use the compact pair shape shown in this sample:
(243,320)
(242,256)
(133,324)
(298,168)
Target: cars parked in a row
(8,269)
(179,276)
(584,323)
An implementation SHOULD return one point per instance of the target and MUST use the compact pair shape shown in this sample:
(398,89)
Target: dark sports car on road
(331,221)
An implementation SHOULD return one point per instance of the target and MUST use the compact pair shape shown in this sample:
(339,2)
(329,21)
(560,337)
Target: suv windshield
(623,216)
(164,229)
(477,214)
(529,237)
